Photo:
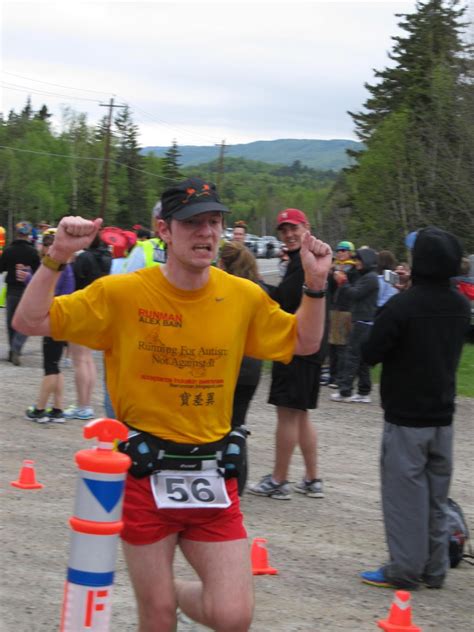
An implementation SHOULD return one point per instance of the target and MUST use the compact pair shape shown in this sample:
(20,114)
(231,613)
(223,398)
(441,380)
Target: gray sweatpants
(416,465)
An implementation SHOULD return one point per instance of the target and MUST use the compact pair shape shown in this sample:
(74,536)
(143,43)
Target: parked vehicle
(268,247)
(251,241)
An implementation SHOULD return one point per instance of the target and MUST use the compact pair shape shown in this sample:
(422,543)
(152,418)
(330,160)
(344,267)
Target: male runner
(174,337)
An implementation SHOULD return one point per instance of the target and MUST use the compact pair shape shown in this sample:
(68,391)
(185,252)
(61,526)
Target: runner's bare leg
(223,600)
(150,567)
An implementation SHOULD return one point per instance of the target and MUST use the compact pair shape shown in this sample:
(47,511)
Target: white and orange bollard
(96,525)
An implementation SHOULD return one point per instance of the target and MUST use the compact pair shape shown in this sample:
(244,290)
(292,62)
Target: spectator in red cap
(295,386)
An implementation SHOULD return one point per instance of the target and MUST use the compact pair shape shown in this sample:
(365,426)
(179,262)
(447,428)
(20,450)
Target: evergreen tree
(129,177)
(27,111)
(433,39)
(171,166)
(417,168)
(86,153)
(42,114)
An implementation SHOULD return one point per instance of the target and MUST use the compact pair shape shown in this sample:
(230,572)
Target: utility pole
(105,177)
(220,165)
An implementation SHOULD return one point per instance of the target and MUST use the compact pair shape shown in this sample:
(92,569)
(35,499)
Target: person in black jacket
(418,337)
(362,297)
(92,263)
(19,255)
(340,320)
(295,386)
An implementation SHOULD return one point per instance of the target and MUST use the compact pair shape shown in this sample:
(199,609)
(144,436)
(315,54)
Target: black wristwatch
(314,293)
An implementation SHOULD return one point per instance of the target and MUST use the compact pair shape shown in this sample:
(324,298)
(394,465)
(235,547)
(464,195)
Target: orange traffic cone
(27,478)
(259,556)
(399,617)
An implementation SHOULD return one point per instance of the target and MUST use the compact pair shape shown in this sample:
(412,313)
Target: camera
(391,277)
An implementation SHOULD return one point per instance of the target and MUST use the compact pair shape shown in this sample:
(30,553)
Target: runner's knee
(156,616)
(232,616)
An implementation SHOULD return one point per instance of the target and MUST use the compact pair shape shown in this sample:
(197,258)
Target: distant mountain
(318,154)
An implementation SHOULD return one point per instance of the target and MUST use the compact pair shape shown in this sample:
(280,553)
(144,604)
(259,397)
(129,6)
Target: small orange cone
(259,556)
(399,617)
(27,478)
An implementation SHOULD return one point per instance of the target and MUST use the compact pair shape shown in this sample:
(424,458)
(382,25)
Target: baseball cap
(131,236)
(345,245)
(116,239)
(189,198)
(23,228)
(291,216)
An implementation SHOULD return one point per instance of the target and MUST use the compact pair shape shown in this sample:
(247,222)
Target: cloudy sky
(200,72)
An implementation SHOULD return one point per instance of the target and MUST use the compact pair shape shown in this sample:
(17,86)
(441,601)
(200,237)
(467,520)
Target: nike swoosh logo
(218,300)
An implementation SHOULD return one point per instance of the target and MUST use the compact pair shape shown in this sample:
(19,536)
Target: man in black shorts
(295,386)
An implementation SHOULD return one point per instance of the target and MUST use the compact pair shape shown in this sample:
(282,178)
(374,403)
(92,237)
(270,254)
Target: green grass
(466,372)
(465,377)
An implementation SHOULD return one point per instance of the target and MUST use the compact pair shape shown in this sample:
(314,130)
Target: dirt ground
(318,546)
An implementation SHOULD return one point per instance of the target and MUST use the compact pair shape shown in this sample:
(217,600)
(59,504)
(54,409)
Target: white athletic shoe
(361,399)
(337,397)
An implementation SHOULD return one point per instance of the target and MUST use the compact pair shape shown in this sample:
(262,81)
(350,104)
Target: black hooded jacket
(362,295)
(418,337)
(19,251)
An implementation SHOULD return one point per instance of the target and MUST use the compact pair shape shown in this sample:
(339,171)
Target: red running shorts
(144,523)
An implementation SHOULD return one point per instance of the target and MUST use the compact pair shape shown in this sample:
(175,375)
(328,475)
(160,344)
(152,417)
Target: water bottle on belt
(234,452)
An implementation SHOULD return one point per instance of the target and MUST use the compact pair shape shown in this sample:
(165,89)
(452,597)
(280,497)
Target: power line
(48,83)
(14,86)
(174,128)
(161,122)
(74,157)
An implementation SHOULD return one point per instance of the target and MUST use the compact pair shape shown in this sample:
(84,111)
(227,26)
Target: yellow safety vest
(154,251)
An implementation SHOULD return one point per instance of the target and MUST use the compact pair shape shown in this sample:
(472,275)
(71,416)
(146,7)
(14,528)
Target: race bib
(173,489)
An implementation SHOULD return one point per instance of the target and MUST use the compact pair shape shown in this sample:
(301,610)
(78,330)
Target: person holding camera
(362,296)
(340,320)
(402,281)
(386,264)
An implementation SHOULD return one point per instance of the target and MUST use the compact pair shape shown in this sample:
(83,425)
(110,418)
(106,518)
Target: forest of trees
(45,174)
(416,169)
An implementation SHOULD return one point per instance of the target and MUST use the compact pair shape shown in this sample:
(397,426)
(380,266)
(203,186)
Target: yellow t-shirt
(173,356)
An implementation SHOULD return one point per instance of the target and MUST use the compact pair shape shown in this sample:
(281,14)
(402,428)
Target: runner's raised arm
(32,314)
(316,257)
